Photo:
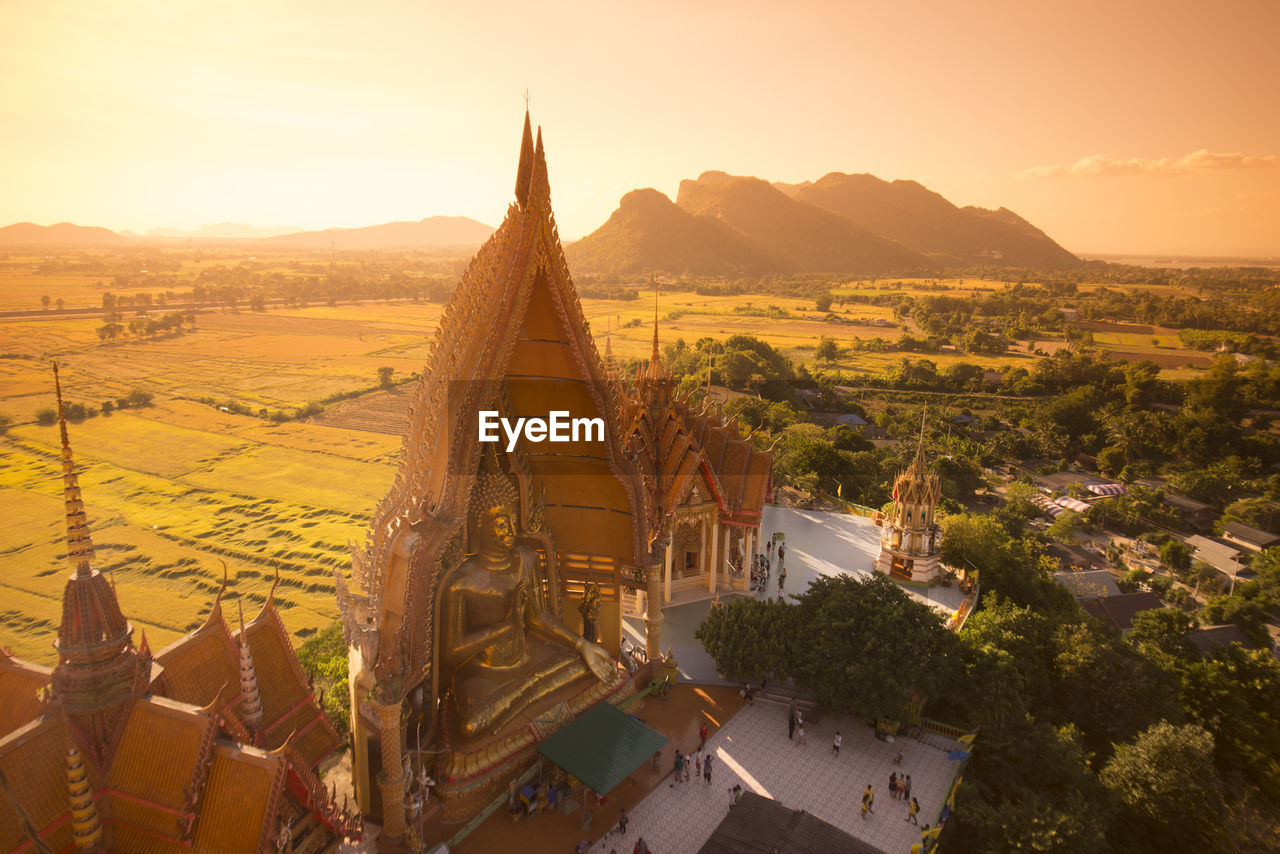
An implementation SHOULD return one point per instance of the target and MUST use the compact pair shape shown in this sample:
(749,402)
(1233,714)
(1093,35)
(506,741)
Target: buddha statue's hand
(598,660)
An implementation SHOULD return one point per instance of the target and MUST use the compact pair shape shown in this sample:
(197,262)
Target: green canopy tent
(602,747)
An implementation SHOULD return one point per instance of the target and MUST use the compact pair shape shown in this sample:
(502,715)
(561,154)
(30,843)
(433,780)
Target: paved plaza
(818,544)
(828,544)
(753,750)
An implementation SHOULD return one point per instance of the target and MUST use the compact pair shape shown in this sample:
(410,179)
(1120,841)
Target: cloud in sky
(1096,165)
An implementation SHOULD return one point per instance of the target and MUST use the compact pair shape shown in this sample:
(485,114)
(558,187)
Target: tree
(45,417)
(59,303)
(863,645)
(1169,789)
(1255,512)
(1164,630)
(1248,614)
(823,302)
(1175,555)
(44,301)
(828,350)
(750,639)
(384,376)
(108,407)
(5,422)
(324,659)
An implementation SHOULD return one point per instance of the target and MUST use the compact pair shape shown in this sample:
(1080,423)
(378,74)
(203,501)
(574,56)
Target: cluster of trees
(75,411)
(857,645)
(175,322)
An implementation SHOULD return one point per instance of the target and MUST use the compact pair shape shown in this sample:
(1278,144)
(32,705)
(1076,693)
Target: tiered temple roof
(676,448)
(156,749)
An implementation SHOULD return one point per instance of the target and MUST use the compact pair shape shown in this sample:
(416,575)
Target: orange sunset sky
(1143,127)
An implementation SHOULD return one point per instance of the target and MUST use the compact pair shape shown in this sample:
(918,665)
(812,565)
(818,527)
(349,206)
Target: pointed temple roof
(916,484)
(675,448)
(513,338)
(155,758)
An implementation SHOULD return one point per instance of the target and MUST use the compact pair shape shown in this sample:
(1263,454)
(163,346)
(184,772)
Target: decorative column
(715,555)
(391,778)
(86,828)
(666,570)
(704,554)
(653,616)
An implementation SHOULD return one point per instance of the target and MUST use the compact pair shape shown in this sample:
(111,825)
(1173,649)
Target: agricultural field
(205,475)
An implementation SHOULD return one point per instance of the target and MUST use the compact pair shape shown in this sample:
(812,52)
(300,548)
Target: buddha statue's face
(497,530)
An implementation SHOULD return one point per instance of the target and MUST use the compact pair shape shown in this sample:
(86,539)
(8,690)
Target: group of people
(763,567)
(900,789)
(697,764)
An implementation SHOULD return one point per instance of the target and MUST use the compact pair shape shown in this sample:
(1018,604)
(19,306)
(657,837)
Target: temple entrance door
(692,564)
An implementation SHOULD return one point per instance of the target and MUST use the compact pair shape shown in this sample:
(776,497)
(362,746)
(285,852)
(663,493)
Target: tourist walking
(623,818)
(706,769)
(791,724)
(869,798)
(835,744)
(800,733)
(893,786)
(912,811)
(688,763)
(679,766)
(782,578)
(703,732)
(640,847)
(697,763)
(906,787)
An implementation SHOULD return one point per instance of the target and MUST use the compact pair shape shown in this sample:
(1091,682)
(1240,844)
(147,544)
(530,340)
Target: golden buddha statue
(501,648)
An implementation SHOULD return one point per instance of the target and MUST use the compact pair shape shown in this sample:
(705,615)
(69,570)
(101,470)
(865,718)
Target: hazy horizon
(1126,131)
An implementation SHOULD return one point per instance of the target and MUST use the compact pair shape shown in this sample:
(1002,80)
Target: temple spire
(655,373)
(539,182)
(250,700)
(86,827)
(920,446)
(655,321)
(524,171)
(79,542)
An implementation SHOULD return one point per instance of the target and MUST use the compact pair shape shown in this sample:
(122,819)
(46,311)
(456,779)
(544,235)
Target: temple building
(709,483)
(909,537)
(485,609)
(211,744)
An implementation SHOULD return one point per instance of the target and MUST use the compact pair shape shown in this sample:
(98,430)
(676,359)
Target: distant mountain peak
(841,223)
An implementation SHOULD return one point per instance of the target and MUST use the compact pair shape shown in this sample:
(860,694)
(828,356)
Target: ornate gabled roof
(671,444)
(513,335)
(21,687)
(156,762)
(33,786)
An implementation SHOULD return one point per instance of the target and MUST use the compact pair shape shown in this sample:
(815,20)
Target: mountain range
(719,224)
(857,224)
(431,233)
(434,231)
(64,234)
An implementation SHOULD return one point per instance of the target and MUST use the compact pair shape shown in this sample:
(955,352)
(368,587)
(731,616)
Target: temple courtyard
(752,750)
(818,544)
